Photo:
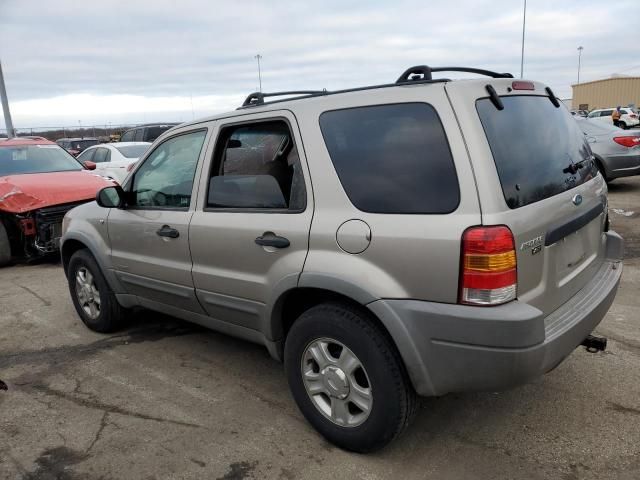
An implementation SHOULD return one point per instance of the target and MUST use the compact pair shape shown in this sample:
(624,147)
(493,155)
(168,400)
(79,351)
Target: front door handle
(167,231)
(270,239)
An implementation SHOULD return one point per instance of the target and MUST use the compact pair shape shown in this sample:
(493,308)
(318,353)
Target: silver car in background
(617,151)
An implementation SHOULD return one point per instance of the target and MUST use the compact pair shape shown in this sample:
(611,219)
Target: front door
(150,237)
(250,234)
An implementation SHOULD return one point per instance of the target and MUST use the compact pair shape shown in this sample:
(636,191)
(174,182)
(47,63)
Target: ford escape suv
(416,238)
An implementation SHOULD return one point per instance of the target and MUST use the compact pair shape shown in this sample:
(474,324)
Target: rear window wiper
(573,168)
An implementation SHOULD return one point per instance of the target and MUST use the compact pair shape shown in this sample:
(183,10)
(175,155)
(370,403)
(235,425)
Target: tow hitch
(594,344)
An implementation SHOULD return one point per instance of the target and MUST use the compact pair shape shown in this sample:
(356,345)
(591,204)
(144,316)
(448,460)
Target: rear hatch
(535,174)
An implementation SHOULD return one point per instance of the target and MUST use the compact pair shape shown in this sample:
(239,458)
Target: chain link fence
(104,133)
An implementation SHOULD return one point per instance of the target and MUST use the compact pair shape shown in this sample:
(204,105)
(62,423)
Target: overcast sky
(117,61)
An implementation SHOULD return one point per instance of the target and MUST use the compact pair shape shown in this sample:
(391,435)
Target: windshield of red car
(20,159)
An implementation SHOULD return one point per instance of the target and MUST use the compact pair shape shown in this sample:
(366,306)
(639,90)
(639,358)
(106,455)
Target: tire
(5,246)
(86,285)
(622,125)
(392,401)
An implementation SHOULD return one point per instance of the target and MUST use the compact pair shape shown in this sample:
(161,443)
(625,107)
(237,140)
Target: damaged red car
(39,183)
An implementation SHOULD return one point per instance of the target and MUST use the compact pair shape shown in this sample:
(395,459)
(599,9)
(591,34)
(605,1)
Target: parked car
(147,133)
(580,113)
(617,153)
(76,146)
(114,159)
(388,257)
(629,117)
(39,183)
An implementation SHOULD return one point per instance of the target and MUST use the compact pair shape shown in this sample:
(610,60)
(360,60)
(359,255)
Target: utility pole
(524,20)
(580,48)
(258,57)
(11,132)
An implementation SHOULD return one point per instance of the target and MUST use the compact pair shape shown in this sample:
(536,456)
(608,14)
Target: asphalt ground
(168,399)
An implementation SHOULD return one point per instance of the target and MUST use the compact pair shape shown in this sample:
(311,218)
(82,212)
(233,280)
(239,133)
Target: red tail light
(627,141)
(488,274)
(633,115)
(28,227)
(522,85)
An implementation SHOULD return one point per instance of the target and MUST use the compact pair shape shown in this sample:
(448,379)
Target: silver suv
(416,238)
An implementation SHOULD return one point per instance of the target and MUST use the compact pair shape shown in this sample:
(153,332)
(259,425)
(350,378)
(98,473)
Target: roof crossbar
(257,98)
(424,72)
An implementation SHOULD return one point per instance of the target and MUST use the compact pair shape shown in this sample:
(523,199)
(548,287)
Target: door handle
(270,239)
(167,231)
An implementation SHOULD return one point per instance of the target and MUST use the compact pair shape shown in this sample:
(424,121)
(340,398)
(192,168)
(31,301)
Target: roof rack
(414,75)
(257,98)
(424,72)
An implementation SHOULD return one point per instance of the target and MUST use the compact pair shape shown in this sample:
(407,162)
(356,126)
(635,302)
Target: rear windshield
(132,151)
(392,158)
(16,160)
(533,145)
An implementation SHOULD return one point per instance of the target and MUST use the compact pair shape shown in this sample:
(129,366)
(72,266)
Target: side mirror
(111,197)
(89,165)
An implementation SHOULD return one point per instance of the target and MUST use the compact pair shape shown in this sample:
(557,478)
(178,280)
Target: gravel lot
(167,399)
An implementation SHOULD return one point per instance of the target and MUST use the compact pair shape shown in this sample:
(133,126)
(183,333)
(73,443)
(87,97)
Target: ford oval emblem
(577,199)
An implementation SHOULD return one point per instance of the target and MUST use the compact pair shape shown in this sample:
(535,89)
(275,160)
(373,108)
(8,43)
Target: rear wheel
(347,378)
(5,246)
(622,125)
(94,301)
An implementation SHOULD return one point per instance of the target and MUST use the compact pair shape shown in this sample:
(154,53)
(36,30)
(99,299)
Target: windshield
(132,151)
(16,160)
(534,144)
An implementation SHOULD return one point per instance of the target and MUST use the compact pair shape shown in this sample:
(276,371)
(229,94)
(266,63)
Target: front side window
(392,158)
(257,167)
(102,155)
(165,179)
(128,136)
(86,155)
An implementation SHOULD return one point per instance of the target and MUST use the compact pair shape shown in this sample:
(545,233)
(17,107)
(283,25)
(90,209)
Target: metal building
(606,93)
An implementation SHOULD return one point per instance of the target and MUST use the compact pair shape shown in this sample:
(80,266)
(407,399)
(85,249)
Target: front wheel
(347,378)
(92,298)
(5,246)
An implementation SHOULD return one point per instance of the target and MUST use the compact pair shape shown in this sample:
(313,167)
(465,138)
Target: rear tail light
(627,141)
(489,275)
(633,115)
(522,85)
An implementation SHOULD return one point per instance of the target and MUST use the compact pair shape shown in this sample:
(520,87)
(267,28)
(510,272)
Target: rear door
(535,174)
(250,234)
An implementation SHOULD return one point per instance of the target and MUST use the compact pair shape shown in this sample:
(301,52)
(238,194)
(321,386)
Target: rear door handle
(270,239)
(167,231)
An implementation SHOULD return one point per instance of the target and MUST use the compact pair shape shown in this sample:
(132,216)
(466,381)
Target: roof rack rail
(424,72)
(257,98)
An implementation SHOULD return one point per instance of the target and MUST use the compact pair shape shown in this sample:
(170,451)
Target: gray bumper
(455,348)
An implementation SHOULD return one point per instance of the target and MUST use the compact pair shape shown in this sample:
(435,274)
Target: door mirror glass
(89,165)
(111,197)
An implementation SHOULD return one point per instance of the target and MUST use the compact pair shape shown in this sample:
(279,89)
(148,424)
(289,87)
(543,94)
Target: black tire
(622,125)
(394,400)
(5,246)
(111,315)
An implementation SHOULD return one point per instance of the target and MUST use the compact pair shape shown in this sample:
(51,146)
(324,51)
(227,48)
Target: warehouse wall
(610,92)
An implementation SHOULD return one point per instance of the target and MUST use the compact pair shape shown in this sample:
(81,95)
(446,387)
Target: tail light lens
(627,141)
(489,275)
(633,115)
(28,226)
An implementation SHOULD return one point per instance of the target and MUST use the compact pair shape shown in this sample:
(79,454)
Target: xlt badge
(535,244)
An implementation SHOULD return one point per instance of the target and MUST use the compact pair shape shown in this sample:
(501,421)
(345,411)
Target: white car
(112,159)
(628,119)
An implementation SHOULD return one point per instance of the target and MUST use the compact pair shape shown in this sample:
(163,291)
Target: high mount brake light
(522,85)
(488,271)
(627,141)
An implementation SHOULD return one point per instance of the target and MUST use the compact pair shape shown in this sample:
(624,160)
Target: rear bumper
(623,165)
(455,348)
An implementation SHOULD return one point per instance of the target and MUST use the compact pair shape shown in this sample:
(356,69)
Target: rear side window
(534,145)
(102,155)
(392,158)
(139,136)
(257,166)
